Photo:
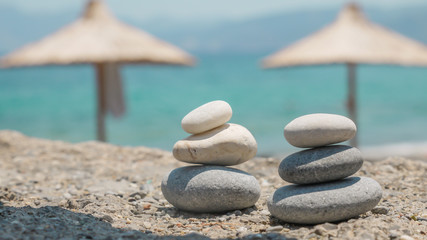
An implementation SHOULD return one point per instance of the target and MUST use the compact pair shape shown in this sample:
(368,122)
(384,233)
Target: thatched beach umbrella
(100,39)
(351,39)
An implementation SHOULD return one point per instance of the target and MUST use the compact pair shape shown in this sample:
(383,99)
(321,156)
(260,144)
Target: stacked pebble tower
(322,189)
(211,186)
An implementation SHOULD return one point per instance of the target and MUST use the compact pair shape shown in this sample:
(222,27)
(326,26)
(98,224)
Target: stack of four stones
(322,189)
(211,186)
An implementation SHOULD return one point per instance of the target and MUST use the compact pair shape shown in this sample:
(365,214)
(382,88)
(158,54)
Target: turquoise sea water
(59,102)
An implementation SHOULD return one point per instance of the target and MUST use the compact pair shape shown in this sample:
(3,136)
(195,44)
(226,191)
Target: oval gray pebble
(321,164)
(325,202)
(210,189)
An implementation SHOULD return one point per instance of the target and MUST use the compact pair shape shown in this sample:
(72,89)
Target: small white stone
(229,144)
(320,129)
(406,237)
(206,117)
(147,225)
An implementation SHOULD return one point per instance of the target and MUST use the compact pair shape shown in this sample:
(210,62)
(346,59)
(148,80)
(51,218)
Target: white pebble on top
(206,117)
(320,129)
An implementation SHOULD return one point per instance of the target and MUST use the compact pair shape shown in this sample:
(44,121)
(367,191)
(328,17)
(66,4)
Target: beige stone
(206,117)
(229,144)
(320,129)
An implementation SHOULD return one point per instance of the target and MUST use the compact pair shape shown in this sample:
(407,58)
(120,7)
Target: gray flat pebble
(325,202)
(210,189)
(380,210)
(321,164)
(274,228)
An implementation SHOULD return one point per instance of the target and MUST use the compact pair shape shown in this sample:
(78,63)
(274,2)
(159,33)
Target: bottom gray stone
(325,202)
(210,189)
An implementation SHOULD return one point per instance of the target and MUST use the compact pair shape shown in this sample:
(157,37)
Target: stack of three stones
(211,186)
(322,189)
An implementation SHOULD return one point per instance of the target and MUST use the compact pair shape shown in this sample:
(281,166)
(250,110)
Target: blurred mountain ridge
(259,35)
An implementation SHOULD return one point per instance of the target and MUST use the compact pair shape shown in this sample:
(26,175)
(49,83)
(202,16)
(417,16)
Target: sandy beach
(92,190)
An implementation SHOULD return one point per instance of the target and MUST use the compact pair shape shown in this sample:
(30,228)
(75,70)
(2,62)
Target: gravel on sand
(92,190)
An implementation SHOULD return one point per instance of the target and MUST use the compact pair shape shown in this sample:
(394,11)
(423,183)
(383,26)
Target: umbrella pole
(101,98)
(351,102)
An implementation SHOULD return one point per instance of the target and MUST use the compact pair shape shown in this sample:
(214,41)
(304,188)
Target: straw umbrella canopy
(98,38)
(351,39)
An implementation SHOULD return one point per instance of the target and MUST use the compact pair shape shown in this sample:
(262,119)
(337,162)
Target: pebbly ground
(91,190)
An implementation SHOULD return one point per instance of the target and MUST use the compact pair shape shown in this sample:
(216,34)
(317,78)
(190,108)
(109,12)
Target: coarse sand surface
(91,190)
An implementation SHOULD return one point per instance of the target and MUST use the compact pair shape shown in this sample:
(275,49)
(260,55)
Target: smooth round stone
(320,129)
(325,202)
(206,117)
(210,189)
(229,144)
(321,164)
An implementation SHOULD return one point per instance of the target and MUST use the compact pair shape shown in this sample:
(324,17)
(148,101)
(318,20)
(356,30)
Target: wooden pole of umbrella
(101,102)
(351,102)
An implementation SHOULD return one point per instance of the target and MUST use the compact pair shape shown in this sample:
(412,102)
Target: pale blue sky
(201,10)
